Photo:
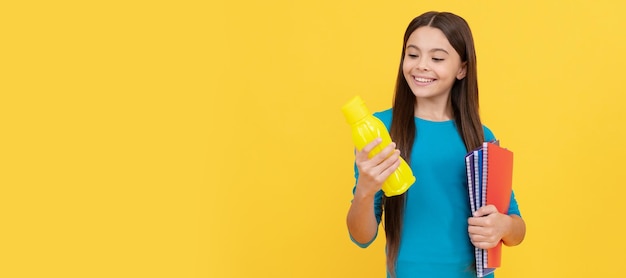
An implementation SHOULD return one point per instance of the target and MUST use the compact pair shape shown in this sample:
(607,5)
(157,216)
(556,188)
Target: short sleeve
(513,206)
(488,134)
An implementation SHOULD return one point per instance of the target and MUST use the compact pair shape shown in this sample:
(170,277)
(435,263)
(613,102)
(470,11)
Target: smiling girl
(434,122)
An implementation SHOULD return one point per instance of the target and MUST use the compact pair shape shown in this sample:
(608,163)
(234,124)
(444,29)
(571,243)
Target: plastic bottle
(366,128)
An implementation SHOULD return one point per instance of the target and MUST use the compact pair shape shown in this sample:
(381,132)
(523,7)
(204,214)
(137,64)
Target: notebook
(489,178)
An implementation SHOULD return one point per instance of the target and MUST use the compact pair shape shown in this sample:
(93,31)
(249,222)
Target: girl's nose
(422,65)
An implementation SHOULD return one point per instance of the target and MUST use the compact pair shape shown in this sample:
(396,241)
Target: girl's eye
(412,55)
(438,59)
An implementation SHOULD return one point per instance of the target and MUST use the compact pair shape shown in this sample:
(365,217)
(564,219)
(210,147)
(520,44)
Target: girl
(434,122)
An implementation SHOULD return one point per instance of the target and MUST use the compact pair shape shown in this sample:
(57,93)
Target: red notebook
(499,162)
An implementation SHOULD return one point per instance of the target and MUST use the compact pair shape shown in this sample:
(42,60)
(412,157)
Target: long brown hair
(464,100)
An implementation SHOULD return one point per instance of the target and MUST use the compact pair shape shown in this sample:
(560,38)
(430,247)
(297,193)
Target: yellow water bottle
(366,128)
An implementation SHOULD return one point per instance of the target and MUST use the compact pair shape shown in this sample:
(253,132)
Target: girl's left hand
(487,227)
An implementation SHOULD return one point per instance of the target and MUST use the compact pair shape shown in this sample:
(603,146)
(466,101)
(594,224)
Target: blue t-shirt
(434,240)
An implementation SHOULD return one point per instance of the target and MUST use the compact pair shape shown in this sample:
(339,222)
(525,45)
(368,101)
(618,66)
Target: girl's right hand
(374,171)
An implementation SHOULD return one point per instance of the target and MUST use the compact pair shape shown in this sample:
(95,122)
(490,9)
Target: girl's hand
(373,172)
(487,227)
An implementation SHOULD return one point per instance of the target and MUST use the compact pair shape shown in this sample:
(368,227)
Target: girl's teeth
(423,79)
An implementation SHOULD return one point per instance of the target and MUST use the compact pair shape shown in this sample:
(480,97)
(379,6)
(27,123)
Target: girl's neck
(434,110)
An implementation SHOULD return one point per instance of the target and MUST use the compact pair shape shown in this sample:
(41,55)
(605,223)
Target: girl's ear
(462,71)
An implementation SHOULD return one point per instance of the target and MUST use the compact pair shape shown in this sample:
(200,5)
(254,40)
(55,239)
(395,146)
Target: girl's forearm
(517,231)
(361,219)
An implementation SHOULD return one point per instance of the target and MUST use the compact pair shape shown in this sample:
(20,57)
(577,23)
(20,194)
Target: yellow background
(204,139)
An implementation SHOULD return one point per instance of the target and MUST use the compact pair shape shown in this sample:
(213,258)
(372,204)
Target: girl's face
(431,65)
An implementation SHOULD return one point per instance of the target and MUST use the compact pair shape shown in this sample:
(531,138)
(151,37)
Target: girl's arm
(362,223)
(361,219)
(516,232)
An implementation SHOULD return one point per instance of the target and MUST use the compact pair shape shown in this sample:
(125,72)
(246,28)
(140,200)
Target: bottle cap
(355,110)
